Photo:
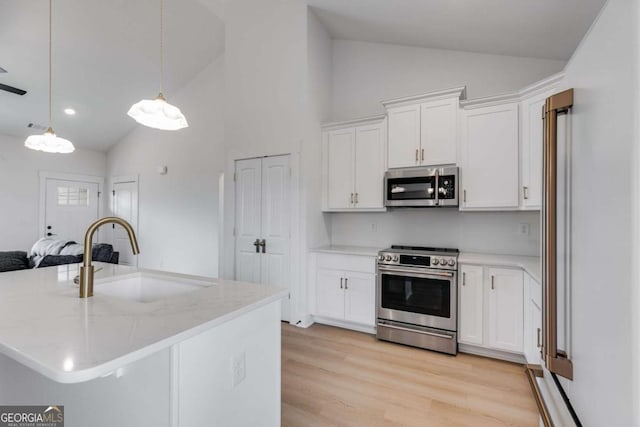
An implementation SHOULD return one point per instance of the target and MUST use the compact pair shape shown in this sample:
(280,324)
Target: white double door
(262,222)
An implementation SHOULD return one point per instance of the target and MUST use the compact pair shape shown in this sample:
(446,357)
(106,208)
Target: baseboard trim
(345,324)
(493,354)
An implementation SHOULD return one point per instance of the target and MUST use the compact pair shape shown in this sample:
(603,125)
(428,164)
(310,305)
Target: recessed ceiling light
(70,111)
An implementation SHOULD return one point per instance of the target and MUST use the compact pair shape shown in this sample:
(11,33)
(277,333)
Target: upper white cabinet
(489,156)
(532,141)
(354,165)
(423,130)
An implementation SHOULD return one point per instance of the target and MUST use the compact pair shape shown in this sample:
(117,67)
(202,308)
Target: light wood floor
(336,377)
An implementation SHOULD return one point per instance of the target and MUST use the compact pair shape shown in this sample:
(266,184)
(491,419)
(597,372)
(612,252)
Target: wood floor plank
(337,377)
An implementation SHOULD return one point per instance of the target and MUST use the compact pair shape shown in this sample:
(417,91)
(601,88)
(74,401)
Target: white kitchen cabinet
(330,296)
(489,157)
(404,136)
(360,301)
(340,152)
(471,293)
(506,297)
(532,140)
(532,321)
(354,164)
(439,131)
(490,315)
(423,130)
(345,289)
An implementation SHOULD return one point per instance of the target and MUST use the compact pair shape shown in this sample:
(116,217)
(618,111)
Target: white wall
(604,73)
(20,186)
(366,73)
(487,232)
(178,212)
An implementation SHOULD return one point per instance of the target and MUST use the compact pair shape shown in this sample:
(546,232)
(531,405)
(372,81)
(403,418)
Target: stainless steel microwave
(421,187)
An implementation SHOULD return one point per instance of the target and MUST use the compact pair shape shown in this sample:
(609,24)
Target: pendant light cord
(50,64)
(161,47)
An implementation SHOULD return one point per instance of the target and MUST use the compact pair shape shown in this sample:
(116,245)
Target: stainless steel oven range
(417,297)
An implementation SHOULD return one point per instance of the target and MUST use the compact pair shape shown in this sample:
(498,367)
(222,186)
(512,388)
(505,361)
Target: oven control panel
(445,262)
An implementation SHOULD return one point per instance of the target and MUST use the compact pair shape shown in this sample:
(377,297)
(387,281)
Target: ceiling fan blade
(12,89)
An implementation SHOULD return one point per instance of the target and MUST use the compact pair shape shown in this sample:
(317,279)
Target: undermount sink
(146,287)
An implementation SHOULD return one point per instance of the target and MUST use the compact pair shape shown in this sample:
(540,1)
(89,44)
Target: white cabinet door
(506,309)
(532,322)
(489,152)
(471,313)
(360,298)
(531,156)
(330,293)
(369,166)
(404,136)
(340,157)
(438,134)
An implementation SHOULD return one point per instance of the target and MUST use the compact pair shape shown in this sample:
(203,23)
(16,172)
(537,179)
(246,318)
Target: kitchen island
(148,349)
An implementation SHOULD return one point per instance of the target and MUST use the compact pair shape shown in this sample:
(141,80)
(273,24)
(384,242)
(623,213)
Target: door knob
(257,245)
(263,243)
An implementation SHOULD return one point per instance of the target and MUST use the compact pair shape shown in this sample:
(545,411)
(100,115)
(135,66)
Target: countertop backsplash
(482,232)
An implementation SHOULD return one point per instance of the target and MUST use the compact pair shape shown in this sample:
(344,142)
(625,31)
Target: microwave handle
(436,187)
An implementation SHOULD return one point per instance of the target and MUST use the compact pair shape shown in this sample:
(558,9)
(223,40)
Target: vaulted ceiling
(105,58)
(534,28)
(106,53)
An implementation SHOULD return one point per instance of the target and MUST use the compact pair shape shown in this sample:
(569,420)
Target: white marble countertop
(47,327)
(348,250)
(530,264)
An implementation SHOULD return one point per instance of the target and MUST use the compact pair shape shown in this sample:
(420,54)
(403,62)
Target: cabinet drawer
(362,264)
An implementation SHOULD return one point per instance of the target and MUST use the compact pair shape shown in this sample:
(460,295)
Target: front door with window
(70,207)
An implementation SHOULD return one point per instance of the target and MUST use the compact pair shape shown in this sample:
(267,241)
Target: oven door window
(420,188)
(422,295)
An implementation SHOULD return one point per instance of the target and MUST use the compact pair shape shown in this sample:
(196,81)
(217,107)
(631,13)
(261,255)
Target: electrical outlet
(523,229)
(238,368)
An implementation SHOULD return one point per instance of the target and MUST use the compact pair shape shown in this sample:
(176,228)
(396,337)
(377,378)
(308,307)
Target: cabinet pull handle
(464,278)
(356,198)
(493,282)
(263,244)
(423,154)
(525,193)
(464,196)
(346,283)
(351,202)
(416,155)
(257,245)
(341,280)
(539,331)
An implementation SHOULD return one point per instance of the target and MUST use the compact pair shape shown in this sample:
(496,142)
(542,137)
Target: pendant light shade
(158,113)
(48,141)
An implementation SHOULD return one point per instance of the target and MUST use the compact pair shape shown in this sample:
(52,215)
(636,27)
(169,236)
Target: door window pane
(73,196)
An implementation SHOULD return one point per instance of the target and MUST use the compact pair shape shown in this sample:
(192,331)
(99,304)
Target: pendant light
(48,141)
(158,113)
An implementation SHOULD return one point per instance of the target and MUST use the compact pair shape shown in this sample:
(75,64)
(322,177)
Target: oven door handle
(400,328)
(417,273)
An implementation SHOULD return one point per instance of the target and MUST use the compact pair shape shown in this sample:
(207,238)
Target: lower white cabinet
(490,311)
(532,320)
(345,288)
